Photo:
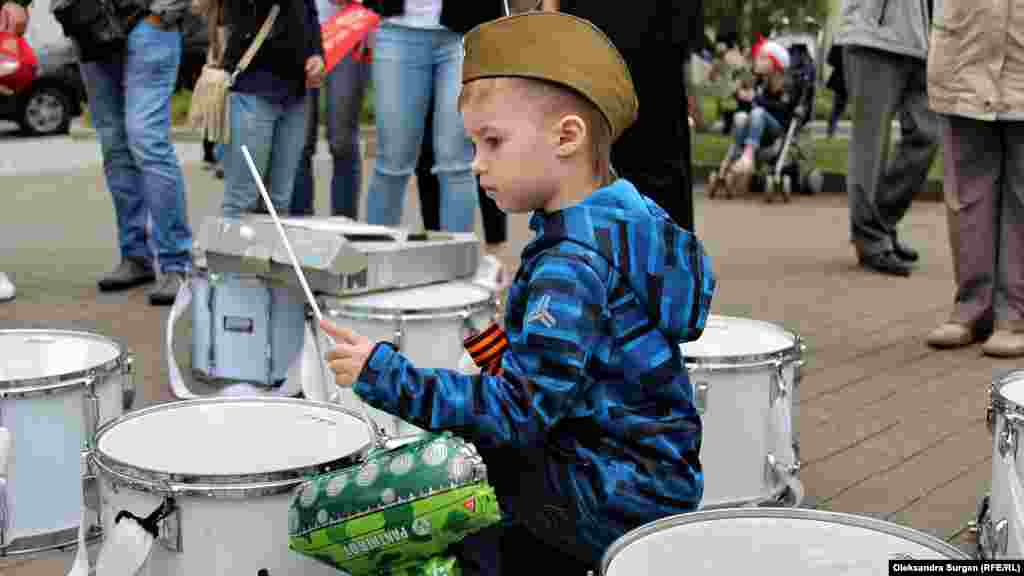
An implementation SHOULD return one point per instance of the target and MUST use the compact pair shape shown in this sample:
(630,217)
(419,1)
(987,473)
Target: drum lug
(128,384)
(399,333)
(990,419)
(1007,443)
(92,411)
(170,531)
(777,385)
(700,400)
(999,538)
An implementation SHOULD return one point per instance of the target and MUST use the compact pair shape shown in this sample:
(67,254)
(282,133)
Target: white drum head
(1012,388)
(30,354)
(420,298)
(792,542)
(236,437)
(727,337)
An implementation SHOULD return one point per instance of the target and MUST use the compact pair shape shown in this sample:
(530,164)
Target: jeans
(408,65)
(346,85)
(273,130)
(760,124)
(130,103)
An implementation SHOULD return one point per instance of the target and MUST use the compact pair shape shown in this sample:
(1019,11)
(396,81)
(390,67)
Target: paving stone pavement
(889,428)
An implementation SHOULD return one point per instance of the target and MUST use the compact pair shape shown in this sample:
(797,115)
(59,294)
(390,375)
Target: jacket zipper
(881,17)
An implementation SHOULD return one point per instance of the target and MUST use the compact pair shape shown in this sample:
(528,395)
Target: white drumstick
(377,441)
(284,237)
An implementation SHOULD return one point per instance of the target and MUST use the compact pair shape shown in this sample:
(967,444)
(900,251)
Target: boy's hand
(349,354)
(314,71)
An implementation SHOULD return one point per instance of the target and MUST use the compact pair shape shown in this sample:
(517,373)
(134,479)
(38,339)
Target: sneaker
(951,335)
(165,292)
(885,263)
(6,288)
(129,273)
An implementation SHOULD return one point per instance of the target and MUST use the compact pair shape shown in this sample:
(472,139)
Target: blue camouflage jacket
(592,414)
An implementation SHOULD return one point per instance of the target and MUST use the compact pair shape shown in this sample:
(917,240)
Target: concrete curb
(835,182)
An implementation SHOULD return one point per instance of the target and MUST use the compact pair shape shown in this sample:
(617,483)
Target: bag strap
(250,52)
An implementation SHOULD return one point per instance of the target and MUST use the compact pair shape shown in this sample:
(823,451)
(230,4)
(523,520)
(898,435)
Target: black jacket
(294,37)
(457,15)
(639,23)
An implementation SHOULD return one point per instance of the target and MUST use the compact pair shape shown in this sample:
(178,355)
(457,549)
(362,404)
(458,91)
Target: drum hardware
(1007,443)
(700,397)
(777,384)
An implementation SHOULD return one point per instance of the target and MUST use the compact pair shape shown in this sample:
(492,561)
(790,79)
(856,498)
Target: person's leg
(402,73)
(875,81)
(1008,339)
(972,164)
(208,158)
(346,87)
(495,222)
(914,154)
(151,70)
(303,193)
(427,184)
(106,100)
(252,125)
(453,149)
(286,151)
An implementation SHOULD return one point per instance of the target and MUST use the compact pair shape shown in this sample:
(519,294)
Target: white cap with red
(775,52)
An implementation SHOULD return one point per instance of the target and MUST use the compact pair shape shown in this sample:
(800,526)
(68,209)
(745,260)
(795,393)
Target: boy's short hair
(553,100)
(553,47)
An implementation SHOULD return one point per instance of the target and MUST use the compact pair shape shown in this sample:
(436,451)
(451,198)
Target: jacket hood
(664,265)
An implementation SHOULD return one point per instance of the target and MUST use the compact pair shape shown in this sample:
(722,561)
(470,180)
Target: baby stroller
(780,161)
(787,157)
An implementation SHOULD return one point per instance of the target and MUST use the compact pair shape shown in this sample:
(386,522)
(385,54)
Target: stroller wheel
(787,187)
(814,182)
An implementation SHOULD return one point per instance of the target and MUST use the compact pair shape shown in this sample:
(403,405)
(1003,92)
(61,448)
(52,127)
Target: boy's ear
(572,134)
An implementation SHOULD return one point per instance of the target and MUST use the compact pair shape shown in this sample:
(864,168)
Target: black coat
(457,15)
(631,25)
(294,37)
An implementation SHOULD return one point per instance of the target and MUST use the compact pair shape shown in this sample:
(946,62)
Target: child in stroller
(782,105)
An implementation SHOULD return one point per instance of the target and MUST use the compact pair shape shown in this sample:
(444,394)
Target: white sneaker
(6,288)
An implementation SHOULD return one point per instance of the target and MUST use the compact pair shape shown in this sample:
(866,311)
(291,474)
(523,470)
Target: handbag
(209,111)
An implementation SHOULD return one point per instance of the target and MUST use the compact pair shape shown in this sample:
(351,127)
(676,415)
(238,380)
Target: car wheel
(47,110)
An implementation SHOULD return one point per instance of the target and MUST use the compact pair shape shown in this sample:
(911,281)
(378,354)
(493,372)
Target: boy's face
(515,148)
(764,66)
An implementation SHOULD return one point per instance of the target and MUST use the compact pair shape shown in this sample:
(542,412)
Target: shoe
(885,263)
(209,165)
(1004,344)
(904,252)
(165,293)
(219,172)
(951,335)
(129,273)
(7,290)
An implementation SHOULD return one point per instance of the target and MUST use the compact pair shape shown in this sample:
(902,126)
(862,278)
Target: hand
(13,18)
(314,71)
(350,353)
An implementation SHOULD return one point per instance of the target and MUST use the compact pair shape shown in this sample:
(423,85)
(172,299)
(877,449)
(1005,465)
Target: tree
(750,17)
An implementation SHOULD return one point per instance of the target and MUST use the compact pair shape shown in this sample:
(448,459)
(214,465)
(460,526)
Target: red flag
(470,504)
(345,30)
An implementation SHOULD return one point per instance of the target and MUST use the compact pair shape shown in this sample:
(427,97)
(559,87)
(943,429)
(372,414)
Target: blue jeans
(272,129)
(130,103)
(408,65)
(759,125)
(346,85)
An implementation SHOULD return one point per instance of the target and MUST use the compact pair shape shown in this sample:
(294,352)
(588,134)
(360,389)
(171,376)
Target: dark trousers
(495,221)
(509,550)
(654,154)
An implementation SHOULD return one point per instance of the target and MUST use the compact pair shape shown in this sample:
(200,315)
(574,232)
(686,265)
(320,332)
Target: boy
(589,409)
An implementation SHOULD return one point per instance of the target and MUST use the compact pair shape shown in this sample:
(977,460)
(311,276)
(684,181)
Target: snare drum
(745,375)
(56,388)
(427,324)
(231,465)
(1001,518)
(791,541)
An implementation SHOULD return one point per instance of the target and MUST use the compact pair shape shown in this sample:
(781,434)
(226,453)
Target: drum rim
(791,352)
(17,386)
(263,482)
(338,307)
(1000,401)
(884,526)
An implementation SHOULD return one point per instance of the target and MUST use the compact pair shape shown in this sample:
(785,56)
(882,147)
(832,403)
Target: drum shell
(53,417)
(244,328)
(218,535)
(430,336)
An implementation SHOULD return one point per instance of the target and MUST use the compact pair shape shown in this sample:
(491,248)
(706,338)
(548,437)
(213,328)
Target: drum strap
(151,523)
